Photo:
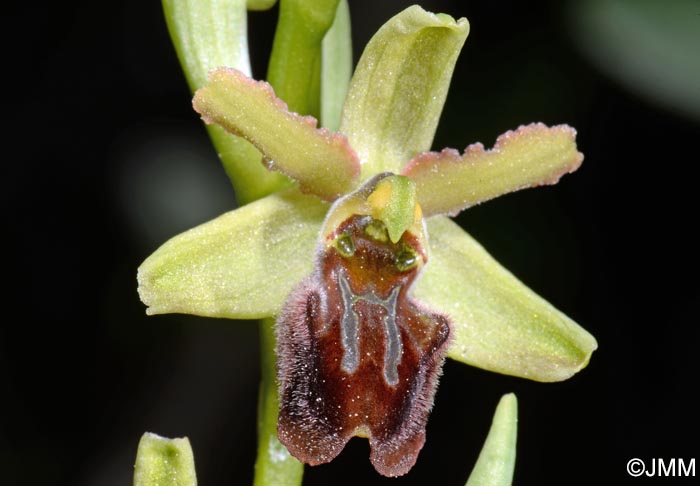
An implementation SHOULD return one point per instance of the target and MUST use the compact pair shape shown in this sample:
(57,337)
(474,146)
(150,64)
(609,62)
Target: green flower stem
(295,74)
(208,34)
(295,62)
(164,462)
(496,461)
(274,465)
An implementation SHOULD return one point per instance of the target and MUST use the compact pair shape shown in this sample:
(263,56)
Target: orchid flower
(370,282)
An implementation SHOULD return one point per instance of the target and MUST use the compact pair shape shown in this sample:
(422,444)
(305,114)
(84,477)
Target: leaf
(164,462)
(498,323)
(241,265)
(322,162)
(496,461)
(532,155)
(399,87)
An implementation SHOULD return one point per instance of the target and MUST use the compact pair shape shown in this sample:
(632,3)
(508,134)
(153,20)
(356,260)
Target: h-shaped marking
(349,330)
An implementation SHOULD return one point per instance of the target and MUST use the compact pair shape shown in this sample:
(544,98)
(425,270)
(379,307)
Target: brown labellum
(356,355)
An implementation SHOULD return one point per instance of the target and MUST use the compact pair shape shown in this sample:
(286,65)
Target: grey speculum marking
(349,330)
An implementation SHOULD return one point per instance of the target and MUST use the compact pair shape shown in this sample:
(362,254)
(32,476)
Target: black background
(96,107)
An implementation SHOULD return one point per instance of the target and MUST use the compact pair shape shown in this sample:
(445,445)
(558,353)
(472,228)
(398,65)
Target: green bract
(244,263)
(164,462)
(497,458)
(208,34)
(295,61)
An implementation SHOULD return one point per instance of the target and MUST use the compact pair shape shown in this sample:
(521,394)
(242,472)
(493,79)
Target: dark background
(105,160)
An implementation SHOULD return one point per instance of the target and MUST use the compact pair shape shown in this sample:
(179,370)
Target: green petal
(241,265)
(496,461)
(323,163)
(499,324)
(532,155)
(164,462)
(399,87)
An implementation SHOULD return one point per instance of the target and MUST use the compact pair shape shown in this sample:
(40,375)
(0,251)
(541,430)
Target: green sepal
(399,87)
(496,461)
(532,155)
(322,162)
(164,462)
(498,323)
(241,265)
